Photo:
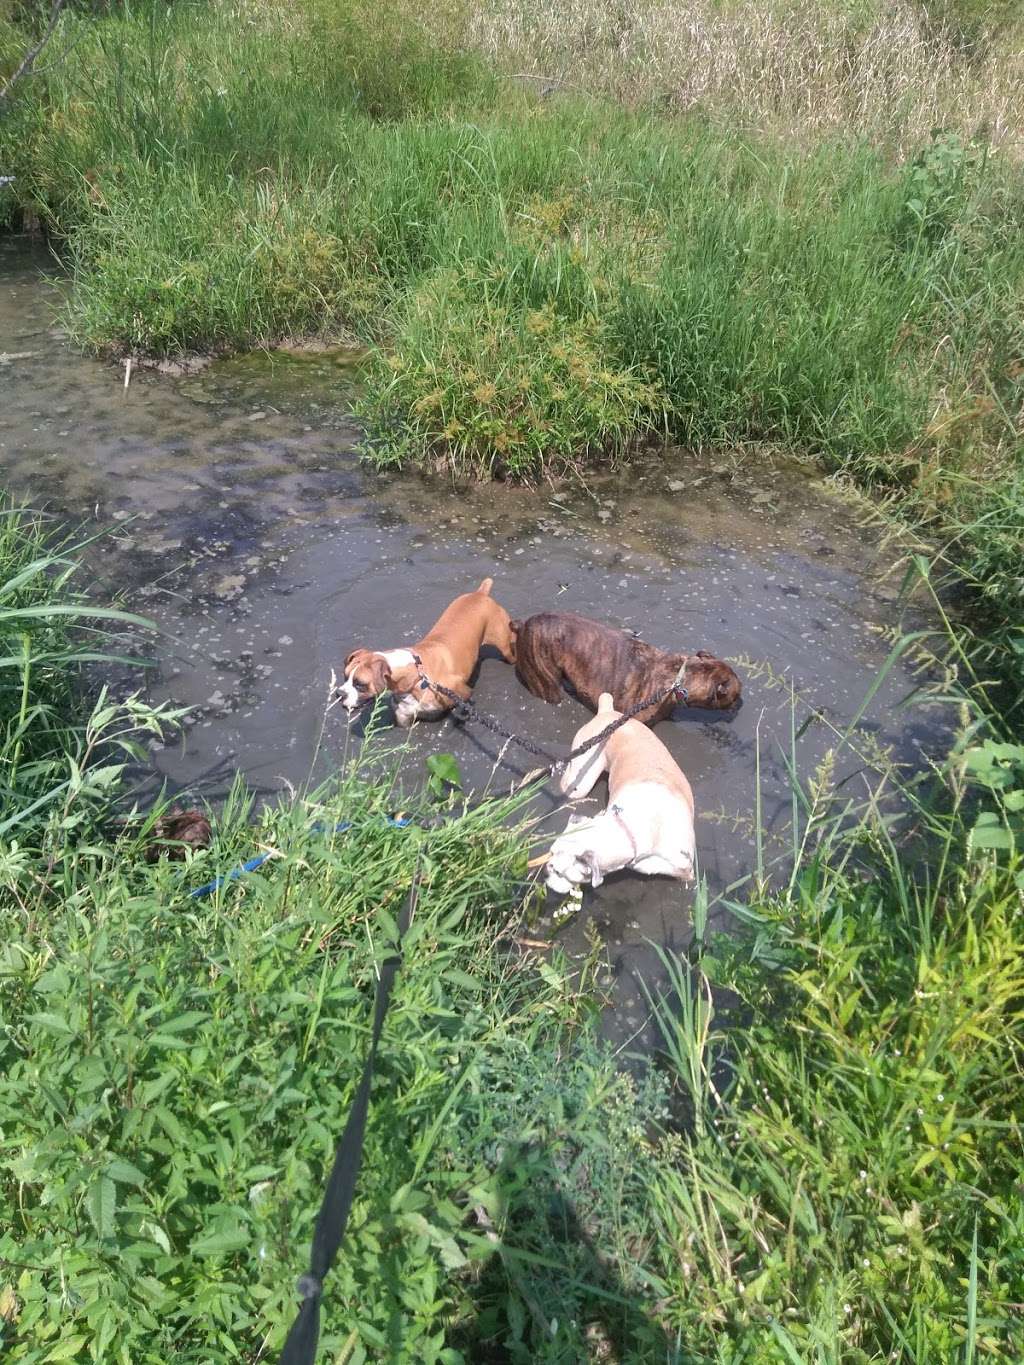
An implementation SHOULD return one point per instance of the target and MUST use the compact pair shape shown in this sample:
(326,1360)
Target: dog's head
(365,676)
(568,867)
(709,681)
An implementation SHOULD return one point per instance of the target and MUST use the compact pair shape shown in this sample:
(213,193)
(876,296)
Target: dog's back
(474,619)
(635,753)
(558,647)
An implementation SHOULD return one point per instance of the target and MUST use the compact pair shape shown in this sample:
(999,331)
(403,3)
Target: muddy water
(244,525)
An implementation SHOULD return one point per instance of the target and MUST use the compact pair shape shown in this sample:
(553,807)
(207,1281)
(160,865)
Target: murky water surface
(245,526)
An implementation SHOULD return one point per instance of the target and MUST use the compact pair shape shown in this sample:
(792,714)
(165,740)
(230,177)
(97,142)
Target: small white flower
(866,1262)
(863,1175)
(847,1308)
(941,1098)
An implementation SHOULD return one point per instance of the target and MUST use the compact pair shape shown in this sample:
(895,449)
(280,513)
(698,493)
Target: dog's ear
(592,863)
(380,675)
(344,667)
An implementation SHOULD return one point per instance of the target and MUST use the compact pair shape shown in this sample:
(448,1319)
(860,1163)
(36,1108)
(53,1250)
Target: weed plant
(62,752)
(847,1189)
(176,1073)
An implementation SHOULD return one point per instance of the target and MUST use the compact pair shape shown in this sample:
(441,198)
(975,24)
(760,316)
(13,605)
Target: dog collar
(616,811)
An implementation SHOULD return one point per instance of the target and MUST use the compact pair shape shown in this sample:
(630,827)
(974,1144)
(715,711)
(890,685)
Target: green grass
(175,1075)
(62,750)
(538,282)
(848,1189)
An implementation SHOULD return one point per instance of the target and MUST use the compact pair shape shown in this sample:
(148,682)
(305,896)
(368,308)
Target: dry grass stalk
(802,69)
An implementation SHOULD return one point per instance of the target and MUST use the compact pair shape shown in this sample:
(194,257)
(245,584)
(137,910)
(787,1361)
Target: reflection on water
(244,525)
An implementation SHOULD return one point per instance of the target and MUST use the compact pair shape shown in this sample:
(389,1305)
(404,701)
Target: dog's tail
(486,586)
(605,702)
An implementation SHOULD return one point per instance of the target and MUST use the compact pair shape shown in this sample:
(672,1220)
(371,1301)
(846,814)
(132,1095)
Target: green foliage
(60,758)
(998,768)
(857,1132)
(443,776)
(486,386)
(174,1076)
(936,184)
(220,185)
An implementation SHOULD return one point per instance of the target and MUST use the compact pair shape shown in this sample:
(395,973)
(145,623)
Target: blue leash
(253,863)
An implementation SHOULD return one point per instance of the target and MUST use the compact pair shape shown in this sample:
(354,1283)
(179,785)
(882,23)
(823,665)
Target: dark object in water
(175,831)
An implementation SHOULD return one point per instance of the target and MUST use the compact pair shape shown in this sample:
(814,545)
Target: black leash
(467,711)
(300,1347)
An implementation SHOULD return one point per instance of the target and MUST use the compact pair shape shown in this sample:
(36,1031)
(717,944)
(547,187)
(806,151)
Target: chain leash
(467,711)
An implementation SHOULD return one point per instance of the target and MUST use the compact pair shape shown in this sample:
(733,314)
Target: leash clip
(677,687)
(418,663)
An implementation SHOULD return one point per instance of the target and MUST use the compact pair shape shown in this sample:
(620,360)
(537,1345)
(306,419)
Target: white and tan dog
(447,654)
(648,822)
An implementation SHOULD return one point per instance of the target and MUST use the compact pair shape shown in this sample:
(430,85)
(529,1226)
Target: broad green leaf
(124,1173)
(66,1349)
(221,1242)
(102,1204)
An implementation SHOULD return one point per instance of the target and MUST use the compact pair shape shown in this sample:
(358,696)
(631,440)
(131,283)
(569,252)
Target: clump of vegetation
(485,387)
(175,1076)
(848,1181)
(61,752)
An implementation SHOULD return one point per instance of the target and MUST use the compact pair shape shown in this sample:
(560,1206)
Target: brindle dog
(558,649)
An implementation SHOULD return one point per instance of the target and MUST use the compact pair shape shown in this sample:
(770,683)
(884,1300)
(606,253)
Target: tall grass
(623,273)
(61,750)
(873,69)
(847,1191)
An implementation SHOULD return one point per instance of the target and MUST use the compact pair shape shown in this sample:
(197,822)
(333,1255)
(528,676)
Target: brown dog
(448,655)
(556,648)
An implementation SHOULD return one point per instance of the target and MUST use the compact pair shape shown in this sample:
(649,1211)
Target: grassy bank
(543,280)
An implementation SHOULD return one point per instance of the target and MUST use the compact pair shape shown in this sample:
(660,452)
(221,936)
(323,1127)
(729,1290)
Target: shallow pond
(244,525)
